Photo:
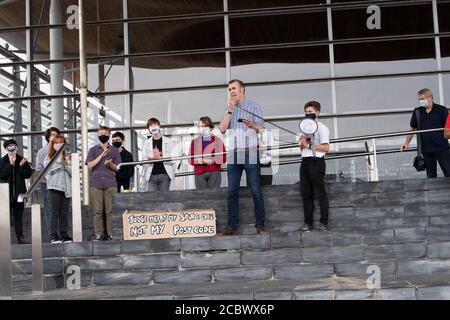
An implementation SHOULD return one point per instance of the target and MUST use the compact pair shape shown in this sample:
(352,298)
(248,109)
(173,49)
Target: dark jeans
(17,212)
(123,183)
(431,160)
(44,193)
(59,208)
(234,173)
(312,173)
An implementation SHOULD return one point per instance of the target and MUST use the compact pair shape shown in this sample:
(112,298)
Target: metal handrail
(294,161)
(24,196)
(286,146)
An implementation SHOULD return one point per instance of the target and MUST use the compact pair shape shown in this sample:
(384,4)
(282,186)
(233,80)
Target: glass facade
(172,60)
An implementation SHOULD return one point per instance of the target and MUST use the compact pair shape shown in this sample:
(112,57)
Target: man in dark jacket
(435,147)
(125,173)
(14,169)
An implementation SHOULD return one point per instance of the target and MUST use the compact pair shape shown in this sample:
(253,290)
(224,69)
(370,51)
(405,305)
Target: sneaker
(66,238)
(56,239)
(98,238)
(323,227)
(307,227)
(228,231)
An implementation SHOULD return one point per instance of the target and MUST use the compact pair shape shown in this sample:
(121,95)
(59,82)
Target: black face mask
(117,144)
(103,138)
(310,116)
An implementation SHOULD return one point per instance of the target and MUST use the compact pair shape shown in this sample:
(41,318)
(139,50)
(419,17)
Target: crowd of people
(244,126)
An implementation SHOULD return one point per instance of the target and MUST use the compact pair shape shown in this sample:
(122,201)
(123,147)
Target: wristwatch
(230,112)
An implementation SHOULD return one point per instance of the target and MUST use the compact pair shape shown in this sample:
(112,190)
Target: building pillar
(56,69)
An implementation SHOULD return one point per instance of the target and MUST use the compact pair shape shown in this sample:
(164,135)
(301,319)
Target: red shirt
(447,124)
(214,145)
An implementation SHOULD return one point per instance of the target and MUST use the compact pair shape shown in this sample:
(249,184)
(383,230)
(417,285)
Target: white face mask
(153,129)
(423,102)
(205,131)
(57,146)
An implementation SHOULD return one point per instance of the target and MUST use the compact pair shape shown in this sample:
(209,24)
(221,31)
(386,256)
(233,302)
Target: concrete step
(173,260)
(275,239)
(334,288)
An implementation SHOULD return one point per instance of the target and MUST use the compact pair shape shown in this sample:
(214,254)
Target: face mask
(117,144)
(57,146)
(103,138)
(205,131)
(423,102)
(311,116)
(153,129)
(11,149)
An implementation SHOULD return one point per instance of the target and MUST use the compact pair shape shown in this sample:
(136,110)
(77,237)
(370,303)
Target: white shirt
(321,136)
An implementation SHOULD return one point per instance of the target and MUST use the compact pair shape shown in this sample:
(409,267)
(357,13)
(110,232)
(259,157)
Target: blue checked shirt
(241,136)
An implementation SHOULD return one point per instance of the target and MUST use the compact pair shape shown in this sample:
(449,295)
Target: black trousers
(312,185)
(17,213)
(431,160)
(59,208)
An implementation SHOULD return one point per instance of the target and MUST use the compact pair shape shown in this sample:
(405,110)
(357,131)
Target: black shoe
(228,231)
(21,240)
(65,238)
(307,227)
(106,237)
(323,227)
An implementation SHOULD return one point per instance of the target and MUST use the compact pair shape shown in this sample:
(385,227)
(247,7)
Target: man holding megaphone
(314,144)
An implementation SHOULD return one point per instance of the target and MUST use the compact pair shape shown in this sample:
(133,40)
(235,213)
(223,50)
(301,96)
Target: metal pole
(18,108)
(56,69)
(36,249)
(5,242)
(226,22)
(437,44)
(136,179)
(375,163)
(77,227)
(29,85)
(83,101)
(332,71)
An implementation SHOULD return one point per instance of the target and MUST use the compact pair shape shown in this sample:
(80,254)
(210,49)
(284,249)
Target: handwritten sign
(138,225)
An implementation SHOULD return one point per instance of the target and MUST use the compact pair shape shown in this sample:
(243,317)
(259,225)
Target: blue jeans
(44,193)
(234,173)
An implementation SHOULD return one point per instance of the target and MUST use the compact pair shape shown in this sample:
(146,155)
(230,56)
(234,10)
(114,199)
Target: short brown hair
(238,81)
(425,91)
(104,128)
(207,121)
(314,104)
(152,121)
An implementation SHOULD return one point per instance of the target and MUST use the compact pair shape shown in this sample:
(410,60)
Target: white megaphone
(308,126)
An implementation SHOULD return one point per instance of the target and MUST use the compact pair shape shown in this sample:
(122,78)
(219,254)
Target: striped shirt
(241,136)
